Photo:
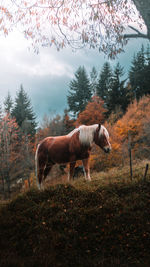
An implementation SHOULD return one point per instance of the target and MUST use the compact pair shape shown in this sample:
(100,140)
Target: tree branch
(134,35)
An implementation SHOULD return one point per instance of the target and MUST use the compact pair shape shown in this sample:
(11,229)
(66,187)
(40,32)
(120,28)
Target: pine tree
(93,80)
(8,103)
(147,71)
(138,74)
(118,94)
(104,82)
(80,92)
(24,114)
(148,55)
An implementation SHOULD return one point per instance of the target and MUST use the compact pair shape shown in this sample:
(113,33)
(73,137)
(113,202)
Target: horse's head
(101,138)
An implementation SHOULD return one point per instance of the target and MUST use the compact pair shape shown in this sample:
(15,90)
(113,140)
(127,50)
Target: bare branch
(134,35)
(89,23)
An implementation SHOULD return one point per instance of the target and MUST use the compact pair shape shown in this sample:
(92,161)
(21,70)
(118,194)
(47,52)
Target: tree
(56,126)
(8,150)
(143,8)
(93,80)
(118,94)
(24,114)
(93,113)
(139,74)
(147,70)
(96,24)
(16,155)
(8,104)
(104,82)
(51,126)
(134,123)
(68,123)
(79,92)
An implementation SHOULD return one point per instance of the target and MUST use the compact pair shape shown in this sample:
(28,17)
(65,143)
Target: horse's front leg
(71,170)
(86,169)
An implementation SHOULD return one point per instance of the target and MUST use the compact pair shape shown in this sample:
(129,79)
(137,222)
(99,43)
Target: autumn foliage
(133,125)
(133,129)
(93,113)
(16,155)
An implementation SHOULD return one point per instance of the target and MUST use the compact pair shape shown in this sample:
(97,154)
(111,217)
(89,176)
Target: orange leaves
(134,119)
(5,12)
(66,10)
(42,2)
(38,25)
(93,113)
(133,127)
(65,21)
(130,128)
(5,31)
(29,33)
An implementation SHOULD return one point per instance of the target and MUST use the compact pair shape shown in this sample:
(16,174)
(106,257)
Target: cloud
(49,95)
(15,52)
(46,76)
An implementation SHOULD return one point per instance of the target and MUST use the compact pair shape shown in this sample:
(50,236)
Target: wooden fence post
(146,170)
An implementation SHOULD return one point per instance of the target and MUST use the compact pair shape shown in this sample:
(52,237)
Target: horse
(68,149)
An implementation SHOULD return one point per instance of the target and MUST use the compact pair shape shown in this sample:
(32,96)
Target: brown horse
(70,148)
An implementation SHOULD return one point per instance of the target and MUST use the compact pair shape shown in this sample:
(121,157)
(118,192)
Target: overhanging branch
(136,35)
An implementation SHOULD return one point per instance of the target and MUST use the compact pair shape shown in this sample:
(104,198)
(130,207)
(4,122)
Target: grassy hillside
(102,223)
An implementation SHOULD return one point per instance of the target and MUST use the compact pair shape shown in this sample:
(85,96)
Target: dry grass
(102,223)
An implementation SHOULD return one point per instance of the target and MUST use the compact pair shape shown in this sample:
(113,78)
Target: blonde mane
(72,132)
(86,133)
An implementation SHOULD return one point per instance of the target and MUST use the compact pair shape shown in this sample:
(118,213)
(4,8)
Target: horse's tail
(37,167)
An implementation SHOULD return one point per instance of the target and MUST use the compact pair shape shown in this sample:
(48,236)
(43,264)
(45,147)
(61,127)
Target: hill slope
(78,225)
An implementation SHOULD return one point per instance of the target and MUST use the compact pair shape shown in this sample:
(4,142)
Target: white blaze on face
(104,132)
(107,136)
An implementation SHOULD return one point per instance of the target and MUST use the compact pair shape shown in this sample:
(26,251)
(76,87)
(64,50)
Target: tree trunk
(143,6)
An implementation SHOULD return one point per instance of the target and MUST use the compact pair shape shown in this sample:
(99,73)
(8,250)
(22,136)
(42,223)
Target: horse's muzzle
(107,149)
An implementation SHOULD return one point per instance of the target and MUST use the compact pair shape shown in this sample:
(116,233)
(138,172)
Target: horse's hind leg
(47,169)
(41,170)
(40,174)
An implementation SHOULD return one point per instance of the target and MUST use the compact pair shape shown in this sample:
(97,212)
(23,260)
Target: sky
(46,76)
